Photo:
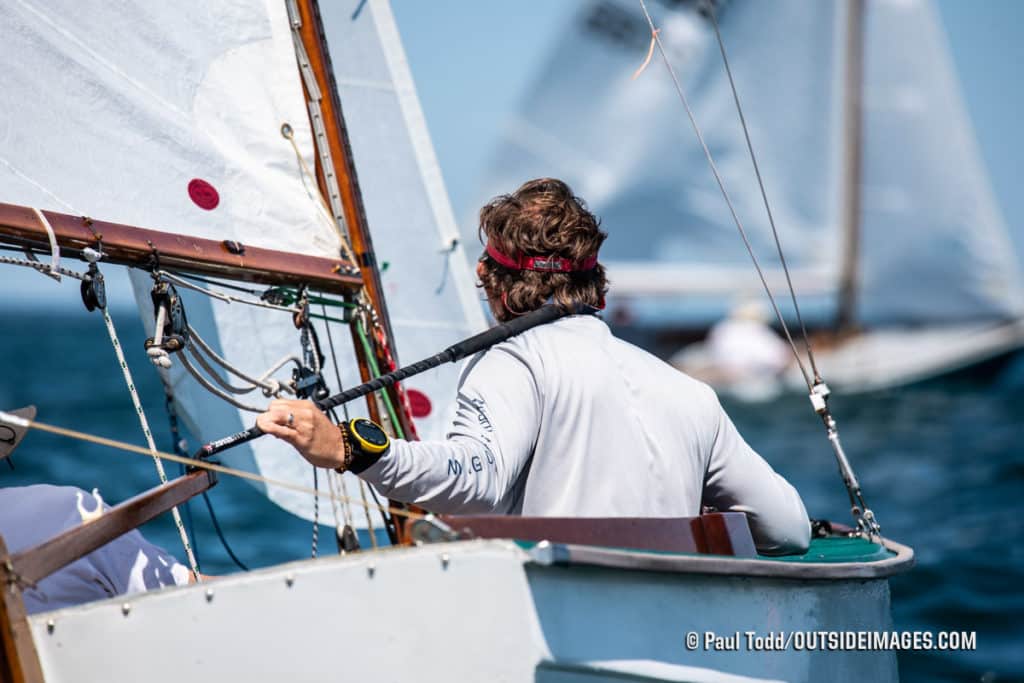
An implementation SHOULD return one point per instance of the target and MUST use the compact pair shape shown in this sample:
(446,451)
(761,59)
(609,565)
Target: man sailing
(564,419)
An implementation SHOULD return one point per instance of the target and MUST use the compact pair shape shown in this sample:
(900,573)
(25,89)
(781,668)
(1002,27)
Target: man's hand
(305,427)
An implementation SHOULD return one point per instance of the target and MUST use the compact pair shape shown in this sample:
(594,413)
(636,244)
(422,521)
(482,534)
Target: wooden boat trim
(134,246)
(19,660)
(550,554)
(716,533)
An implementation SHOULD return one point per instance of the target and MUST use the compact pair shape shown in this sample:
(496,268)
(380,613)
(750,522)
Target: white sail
(934,242)
(113,110)
(627,147)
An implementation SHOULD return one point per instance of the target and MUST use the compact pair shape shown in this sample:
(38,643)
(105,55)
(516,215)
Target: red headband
(543,264)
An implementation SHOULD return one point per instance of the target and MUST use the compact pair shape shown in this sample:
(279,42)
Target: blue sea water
(942,466)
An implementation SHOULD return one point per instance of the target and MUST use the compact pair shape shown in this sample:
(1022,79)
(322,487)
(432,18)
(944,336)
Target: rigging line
(215,376)
(193,564)
(371,362)
(318,199)
(246,290)
(220,534)
(369,522)
(44,268)
(179,447)
(225,285)
(342,514)
(126,447)
(214,390)
(764,193)
(316,514)
(344,410)
(264,381)
(226,298)
(334,479)
(725,194)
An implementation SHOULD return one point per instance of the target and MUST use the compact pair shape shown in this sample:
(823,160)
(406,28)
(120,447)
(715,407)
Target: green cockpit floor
(837,549)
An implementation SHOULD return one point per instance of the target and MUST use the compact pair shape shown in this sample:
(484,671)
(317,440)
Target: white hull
(478,611)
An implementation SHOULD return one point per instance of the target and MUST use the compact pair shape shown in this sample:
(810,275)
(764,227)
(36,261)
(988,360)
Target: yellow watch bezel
(364,445)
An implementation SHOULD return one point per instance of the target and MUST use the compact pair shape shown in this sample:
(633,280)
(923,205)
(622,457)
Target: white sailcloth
(113,110)
(428,285)
(627,147)
(935,246)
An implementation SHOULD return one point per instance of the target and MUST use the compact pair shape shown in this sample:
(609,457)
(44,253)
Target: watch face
(370,432)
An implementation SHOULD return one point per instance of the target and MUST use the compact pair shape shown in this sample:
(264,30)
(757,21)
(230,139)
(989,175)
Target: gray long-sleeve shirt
(568,420)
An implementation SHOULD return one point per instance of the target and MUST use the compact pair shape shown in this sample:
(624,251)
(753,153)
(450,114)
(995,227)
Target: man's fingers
(270,423)
(283,433)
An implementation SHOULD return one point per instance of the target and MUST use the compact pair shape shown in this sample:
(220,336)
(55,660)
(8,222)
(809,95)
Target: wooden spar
(34,564)
(853,87)
(340,154)
(132,246)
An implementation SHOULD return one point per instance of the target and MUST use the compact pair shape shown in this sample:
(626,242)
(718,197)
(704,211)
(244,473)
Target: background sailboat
(932,251)
(171,117)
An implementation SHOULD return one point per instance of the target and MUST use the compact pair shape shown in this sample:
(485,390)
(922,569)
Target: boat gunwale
(566,555)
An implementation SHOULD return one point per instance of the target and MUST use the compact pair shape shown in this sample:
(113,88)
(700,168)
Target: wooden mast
(338,165)
(336,176)
(853,89)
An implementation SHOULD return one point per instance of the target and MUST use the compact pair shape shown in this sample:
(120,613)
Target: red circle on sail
(203,194)
(418,403)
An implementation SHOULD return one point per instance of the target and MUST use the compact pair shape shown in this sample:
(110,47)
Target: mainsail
(170,116)
(934,245)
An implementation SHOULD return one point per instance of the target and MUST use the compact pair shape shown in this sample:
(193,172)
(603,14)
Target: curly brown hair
(542,218)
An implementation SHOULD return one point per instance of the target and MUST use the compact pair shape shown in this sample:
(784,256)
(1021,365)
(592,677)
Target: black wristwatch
(365,443)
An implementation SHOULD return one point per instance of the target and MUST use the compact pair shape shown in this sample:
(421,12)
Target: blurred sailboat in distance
(896,244)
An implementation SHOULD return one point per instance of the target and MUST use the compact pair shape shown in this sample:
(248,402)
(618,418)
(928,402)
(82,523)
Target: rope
(316,514)
(867,524)
(215,376)
(369,522)
(54,247)
(193,565)
(44,268)
(286,293)
(180,448)
(725,194)
(226,298)
(317,198)
(371,362)
(344,409)
(764,195)
(342,513)
(220,534)
(205,383)
(126,447)
(270,387)
(333,478)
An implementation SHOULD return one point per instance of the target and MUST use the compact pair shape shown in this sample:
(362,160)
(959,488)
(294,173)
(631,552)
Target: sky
(473,62)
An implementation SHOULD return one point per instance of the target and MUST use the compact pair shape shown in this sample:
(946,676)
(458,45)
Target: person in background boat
(30,515)
(564,419)
(740,348)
